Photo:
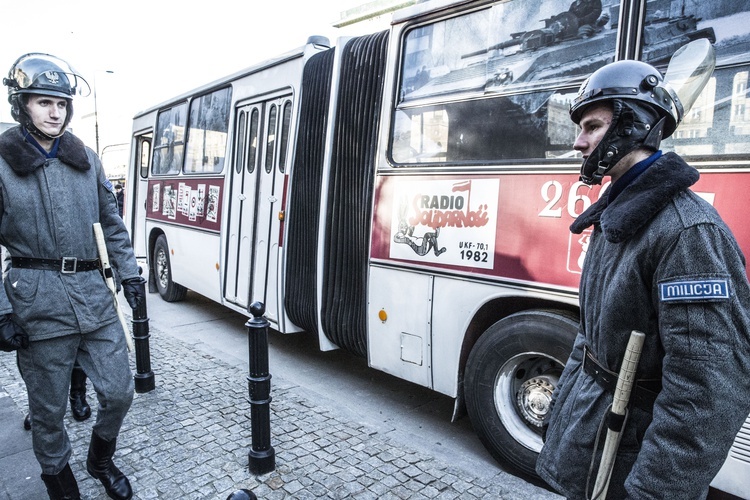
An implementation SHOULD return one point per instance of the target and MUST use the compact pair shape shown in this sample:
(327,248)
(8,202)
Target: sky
(139,53)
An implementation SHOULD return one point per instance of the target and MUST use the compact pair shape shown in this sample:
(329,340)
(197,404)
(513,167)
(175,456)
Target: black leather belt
(644,391)
(66,265)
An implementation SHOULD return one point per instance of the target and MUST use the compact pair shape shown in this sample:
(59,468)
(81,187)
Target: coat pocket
(21,286)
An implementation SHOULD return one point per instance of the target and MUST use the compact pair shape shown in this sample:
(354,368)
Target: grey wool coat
(47,210)
(661,261)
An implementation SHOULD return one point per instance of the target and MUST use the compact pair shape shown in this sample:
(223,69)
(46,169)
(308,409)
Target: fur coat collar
(23,157)
(640,201)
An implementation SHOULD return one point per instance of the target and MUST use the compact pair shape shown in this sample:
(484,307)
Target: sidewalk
(189,439)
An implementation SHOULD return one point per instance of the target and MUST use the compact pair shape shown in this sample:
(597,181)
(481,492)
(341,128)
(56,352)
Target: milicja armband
(694,290)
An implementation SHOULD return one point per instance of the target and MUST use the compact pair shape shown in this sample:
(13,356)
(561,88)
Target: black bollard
(144,377)
(261,457)
(242,494)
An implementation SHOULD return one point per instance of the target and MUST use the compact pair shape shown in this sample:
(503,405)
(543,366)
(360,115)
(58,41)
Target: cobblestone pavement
(189,439)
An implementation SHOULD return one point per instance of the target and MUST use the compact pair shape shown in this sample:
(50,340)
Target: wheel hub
(534,398)
(161,269)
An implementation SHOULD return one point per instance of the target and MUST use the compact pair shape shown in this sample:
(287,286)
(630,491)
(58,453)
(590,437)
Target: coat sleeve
(702,296)
(5,307)
(119,247)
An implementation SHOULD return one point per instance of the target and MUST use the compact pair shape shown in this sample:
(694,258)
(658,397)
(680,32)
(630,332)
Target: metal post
(144,377)
(261,457)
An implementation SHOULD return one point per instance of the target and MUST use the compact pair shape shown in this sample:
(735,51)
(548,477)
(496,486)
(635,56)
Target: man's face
(594,124)
(48,113)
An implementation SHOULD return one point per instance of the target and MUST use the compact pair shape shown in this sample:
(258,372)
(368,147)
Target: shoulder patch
(694,290)
(108,185)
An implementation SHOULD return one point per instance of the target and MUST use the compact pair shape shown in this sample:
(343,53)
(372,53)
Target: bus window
(252,144)
(739,115)
(286,121)
(169,146)
(271,138)
(482,86)
(207,135)
(718,122)
(144,154)
(239,147)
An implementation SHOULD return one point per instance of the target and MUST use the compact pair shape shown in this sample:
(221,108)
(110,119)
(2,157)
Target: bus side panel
(190,202)
(510,226)
(187,255)
(188,211)
(727,192)
(400,313)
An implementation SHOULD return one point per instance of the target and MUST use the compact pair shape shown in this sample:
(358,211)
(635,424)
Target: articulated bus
(406,195)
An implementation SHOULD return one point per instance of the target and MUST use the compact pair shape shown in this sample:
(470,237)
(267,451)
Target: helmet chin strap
(603,166)
(35,131)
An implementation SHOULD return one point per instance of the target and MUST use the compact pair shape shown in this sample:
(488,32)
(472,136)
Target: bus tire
(168,289)
(511,373)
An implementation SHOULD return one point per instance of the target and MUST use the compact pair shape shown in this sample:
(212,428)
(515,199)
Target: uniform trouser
(46,366)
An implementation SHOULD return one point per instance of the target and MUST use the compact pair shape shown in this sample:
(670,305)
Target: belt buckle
(69,265)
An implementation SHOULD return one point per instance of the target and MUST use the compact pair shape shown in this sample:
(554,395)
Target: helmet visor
(689,70)
(46,74)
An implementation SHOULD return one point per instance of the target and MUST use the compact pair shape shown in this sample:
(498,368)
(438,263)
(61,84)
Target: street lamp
(96,113)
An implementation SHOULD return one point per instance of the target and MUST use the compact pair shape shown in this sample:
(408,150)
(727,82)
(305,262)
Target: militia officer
(55,306)
(661,261)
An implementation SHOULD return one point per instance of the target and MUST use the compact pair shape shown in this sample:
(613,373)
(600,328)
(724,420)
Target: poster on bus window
(449,222)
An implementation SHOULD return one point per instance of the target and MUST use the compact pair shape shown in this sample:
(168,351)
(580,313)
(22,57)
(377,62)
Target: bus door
(257,179)
(137,192)
(241,204)
(265,278)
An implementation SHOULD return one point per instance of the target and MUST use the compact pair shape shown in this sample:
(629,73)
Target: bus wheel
(168,289)
(511,373)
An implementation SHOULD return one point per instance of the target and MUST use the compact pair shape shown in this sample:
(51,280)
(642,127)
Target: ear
(625,123)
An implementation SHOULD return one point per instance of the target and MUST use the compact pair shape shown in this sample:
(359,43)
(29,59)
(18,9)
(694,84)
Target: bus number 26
(577,203)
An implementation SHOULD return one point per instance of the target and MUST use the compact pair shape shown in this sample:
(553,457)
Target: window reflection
(286,123)
(717,122)
(207,137)
(239,147)
(495,84)
(481,86)
(740,117)
(271,138)
(252,145)
(169,145)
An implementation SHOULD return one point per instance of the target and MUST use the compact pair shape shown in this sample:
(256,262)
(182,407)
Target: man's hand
(134,290)
(12,337)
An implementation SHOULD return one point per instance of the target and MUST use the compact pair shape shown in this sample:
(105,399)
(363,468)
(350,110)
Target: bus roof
(287,56)
(422,8)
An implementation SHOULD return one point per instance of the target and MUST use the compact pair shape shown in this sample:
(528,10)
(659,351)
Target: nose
(581,144)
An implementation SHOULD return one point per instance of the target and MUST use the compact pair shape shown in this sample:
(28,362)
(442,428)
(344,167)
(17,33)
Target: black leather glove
(134,290)
(12,337)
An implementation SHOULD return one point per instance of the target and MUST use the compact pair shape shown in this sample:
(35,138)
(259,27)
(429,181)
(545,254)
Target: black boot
(78,405)
(100,466)
(27,422)
(62,486)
